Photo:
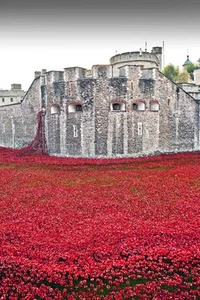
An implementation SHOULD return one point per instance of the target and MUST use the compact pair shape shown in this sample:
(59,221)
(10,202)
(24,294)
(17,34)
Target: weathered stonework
(127,108)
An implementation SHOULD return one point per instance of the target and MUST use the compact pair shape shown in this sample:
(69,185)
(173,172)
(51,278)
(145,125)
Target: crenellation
(74,73)
(101,71)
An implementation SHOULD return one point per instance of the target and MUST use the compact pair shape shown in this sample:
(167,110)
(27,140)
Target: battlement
(74,73)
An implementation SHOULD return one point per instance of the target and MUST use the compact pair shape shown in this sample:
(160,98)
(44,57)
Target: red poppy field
(99,228)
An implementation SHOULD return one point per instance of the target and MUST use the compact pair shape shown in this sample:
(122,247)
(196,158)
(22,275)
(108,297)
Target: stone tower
(158,52)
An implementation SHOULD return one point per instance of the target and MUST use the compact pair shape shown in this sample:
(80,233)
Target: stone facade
(12,96)
(127,108)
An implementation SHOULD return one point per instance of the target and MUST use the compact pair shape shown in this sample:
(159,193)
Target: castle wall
(178,118)
(127,133)
(19,121)
(10,118)
(101,109)
(140,112)
(30,106)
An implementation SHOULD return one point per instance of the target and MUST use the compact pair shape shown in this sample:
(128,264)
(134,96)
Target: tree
(190,69)
(182,76)
(171,72)
(174,73)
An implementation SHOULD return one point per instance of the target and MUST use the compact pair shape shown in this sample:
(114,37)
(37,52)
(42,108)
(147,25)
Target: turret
(158,52)
(141,58)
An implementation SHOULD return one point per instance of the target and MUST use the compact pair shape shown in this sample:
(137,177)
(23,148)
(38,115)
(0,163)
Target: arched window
(117,106)
(72,108)
(55,109)
(154,106)
(139,105)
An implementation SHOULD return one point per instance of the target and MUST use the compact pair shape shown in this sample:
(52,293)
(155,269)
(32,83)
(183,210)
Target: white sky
(44,35)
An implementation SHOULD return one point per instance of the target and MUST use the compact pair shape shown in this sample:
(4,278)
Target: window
(154,106)
(78,107)
(139,106)
(55,109)
(117,106)
(75,131)
(139,128)
(11,99)
(135,106)
(3,100)
(72,108)
(178,91)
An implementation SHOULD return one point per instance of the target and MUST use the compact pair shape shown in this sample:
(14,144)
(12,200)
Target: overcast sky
(44,35)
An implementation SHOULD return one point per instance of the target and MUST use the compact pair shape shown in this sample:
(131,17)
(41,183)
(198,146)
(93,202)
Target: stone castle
(127,108)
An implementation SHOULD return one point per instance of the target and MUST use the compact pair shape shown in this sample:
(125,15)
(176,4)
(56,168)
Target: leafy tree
(183,76)
(171,72)
(190,69)
(174,73)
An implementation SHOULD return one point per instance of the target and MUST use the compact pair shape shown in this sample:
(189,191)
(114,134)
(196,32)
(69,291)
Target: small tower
(158,52)
(188,61)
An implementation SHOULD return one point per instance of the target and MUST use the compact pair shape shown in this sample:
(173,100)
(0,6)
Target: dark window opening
(177,92)
(79,107)
(116,106)
(135,106)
